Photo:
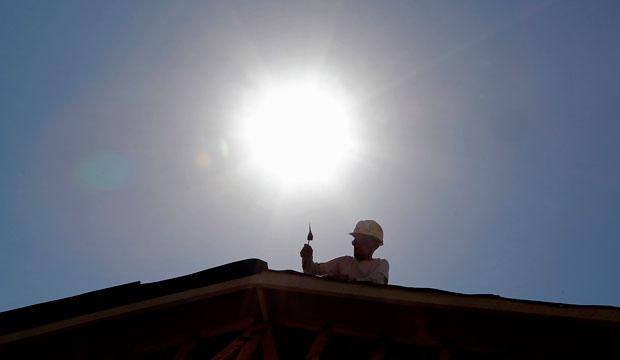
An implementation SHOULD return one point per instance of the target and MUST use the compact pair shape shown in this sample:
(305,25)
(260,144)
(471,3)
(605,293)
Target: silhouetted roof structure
(228,311)
(48,312)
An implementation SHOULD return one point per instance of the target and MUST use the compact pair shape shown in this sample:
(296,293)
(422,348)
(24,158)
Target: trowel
(310,237)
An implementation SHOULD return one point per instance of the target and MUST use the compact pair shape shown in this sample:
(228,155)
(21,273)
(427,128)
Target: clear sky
(487,142)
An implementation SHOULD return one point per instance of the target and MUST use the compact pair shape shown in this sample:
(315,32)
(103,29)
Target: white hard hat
(369,228)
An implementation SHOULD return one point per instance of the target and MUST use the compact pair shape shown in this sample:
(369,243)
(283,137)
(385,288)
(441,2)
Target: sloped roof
(90,302)
(232,297)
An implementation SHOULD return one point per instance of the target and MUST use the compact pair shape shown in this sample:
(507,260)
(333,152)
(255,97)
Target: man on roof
(367,237)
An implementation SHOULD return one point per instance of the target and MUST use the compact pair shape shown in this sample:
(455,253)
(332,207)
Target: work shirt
(375,270)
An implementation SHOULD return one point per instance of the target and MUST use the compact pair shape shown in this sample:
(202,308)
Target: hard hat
(369,228)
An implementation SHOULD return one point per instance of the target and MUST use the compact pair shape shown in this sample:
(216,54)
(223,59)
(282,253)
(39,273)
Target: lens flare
(102,172)
(203,159)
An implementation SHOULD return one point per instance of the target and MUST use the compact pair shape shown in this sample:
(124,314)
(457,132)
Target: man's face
(364,246)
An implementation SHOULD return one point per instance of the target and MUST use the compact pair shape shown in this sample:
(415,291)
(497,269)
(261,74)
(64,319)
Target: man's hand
(306,257)
(306,252)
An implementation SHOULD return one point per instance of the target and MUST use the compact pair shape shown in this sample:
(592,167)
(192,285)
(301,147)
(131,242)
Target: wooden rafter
(244,345)
(269,345)
(188,346)
(247,350)
(320,341)
(264,310)
(178,340)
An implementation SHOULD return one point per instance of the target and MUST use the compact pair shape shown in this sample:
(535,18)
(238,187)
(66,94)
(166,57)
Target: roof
(232,297)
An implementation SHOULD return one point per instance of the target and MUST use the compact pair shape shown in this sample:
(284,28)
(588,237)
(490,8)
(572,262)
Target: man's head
(368,236)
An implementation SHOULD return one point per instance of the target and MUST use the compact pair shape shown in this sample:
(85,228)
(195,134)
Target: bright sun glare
(299,132)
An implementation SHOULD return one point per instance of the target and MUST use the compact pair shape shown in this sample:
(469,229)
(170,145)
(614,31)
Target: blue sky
(489,135)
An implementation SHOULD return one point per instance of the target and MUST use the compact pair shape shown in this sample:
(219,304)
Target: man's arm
(307,262)
(310,267)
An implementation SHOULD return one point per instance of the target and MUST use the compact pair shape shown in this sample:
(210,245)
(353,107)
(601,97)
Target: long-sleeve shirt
(375,270)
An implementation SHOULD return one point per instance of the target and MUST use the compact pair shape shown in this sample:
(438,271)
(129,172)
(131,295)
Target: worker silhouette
(367,237)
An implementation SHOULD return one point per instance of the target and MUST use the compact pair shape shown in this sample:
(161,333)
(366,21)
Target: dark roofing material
(48,312)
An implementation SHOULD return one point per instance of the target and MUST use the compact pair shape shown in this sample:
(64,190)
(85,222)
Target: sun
(299,132)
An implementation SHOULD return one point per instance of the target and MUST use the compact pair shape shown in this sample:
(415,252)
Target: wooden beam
(264,310)
(186,349)
(176,340)
(269,345)
(247,350)
(362,333)
(320,341)
(420,336)
(235,326)
(251,335)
